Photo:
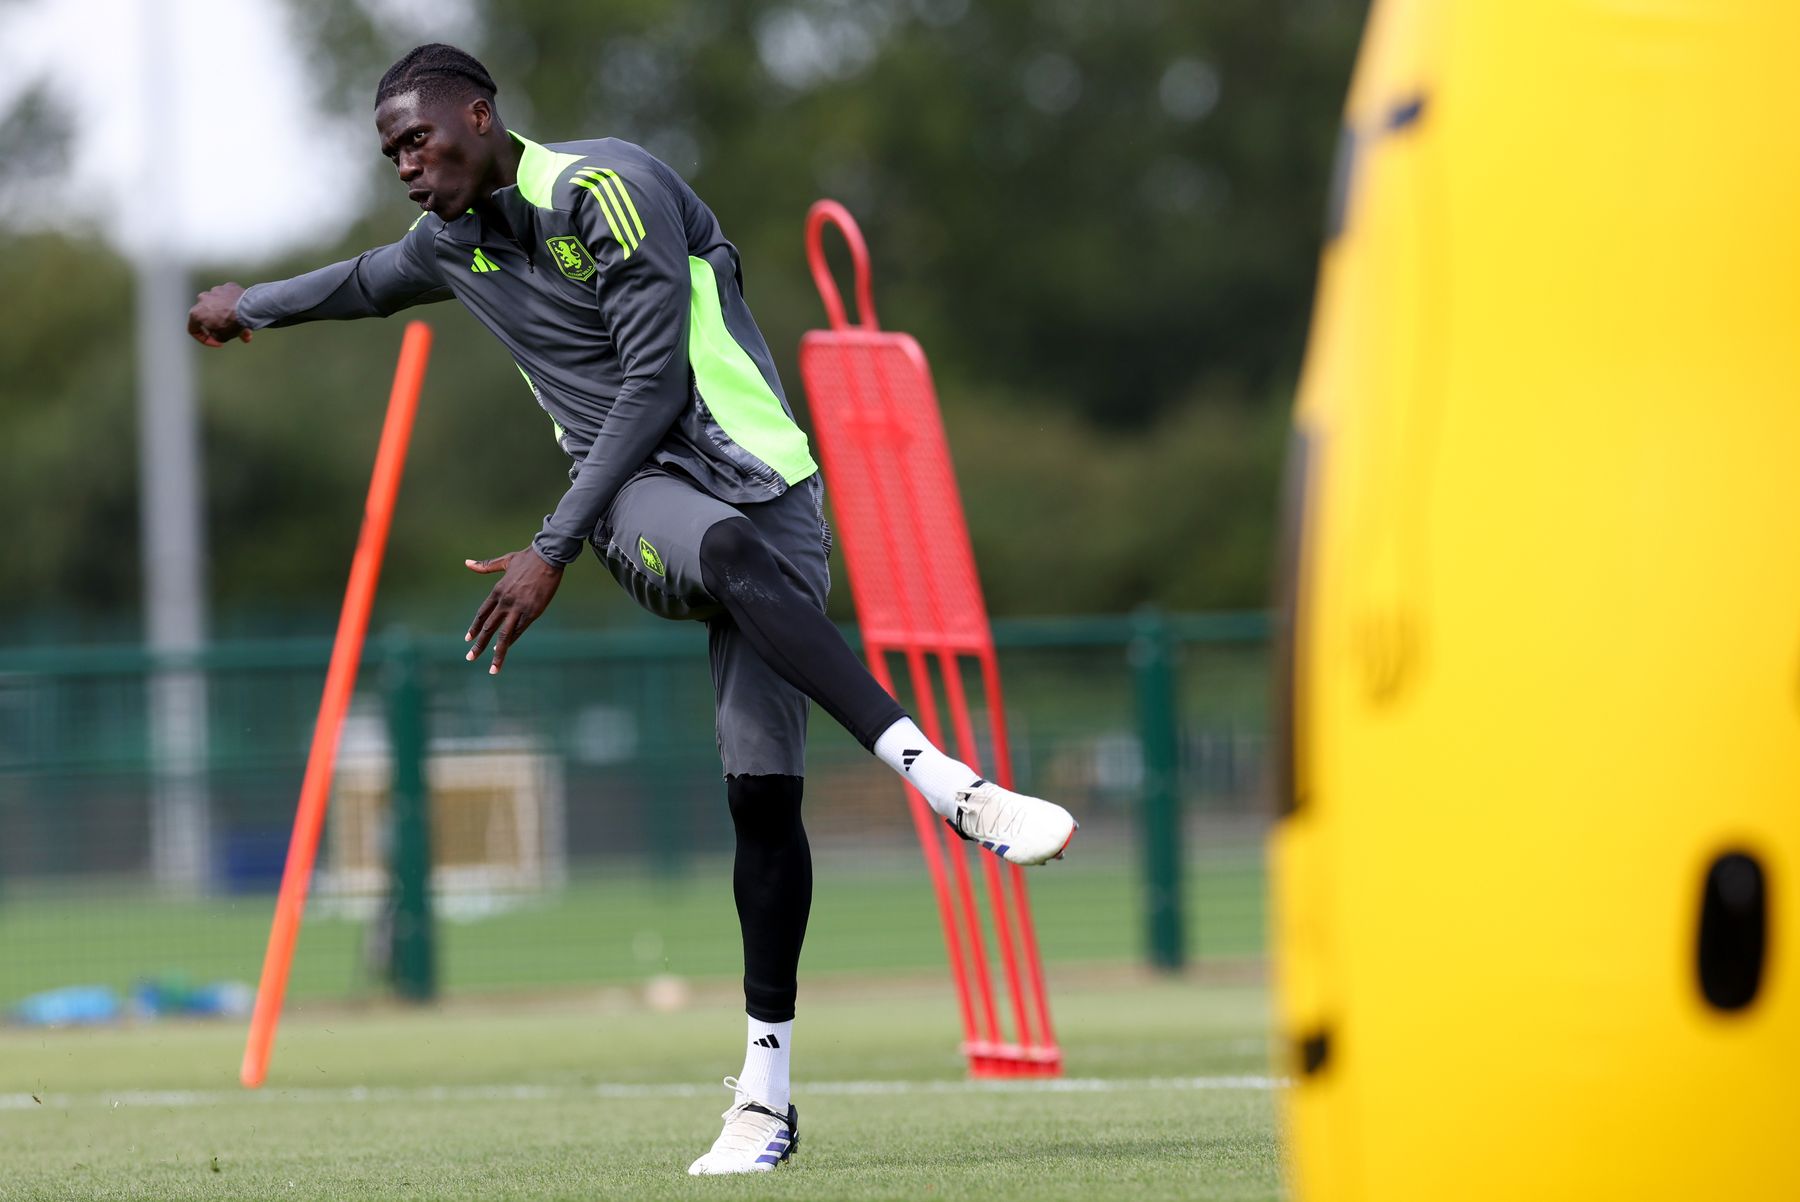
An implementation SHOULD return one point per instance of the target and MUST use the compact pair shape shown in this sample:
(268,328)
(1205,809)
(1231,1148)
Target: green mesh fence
(577,826)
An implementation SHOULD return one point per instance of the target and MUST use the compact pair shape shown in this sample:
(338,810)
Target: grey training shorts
(650,542)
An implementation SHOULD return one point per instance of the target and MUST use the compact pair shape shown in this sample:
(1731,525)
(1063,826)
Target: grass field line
(179,1098)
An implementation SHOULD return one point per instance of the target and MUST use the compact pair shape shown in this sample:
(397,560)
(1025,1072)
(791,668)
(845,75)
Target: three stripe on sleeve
(615,204)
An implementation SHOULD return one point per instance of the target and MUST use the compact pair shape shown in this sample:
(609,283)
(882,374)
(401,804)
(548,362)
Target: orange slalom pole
(340,682)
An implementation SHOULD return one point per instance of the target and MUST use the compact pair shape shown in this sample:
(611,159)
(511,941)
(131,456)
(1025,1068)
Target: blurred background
(1100,220)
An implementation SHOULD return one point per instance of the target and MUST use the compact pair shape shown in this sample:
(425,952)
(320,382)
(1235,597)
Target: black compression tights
(790,632)
(772,880)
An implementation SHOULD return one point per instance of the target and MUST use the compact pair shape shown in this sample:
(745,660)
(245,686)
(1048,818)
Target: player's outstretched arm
(374,284)
(213,319)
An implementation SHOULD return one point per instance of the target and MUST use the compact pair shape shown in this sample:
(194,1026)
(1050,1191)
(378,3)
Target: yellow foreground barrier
(1537,888)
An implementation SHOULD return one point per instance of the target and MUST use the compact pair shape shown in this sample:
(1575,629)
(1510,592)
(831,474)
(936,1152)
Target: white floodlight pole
(171,477)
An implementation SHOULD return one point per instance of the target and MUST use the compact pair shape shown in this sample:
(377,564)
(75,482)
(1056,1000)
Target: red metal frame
(912,571)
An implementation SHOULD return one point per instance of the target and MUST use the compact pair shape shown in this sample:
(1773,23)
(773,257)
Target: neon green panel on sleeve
(740,399)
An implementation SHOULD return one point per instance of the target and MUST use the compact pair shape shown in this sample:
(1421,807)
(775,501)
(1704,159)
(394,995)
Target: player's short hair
(436,72)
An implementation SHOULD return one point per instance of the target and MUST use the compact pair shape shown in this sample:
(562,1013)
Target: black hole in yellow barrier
(1315,1052)
(1733,931)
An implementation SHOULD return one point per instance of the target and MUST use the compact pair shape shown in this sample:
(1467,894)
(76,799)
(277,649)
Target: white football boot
(755,1138)
(1017,828)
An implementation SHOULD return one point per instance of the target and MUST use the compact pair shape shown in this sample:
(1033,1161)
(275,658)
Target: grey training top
(622,303)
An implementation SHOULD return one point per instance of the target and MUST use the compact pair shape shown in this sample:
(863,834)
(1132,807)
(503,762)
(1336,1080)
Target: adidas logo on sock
(768,1041)
(909,755)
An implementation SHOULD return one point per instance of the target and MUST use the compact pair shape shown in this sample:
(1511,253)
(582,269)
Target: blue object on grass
(173,995)
(75,1005)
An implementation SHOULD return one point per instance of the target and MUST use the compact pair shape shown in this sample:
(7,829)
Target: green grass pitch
(869,916)
(589,1095)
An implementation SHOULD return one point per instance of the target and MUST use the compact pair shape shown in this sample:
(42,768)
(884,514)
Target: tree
(1100,219)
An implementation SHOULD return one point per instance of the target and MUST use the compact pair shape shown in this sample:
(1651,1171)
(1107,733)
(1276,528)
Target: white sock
(765,1076)
(904,748)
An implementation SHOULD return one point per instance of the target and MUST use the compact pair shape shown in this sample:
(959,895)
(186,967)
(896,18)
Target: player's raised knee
(731,555)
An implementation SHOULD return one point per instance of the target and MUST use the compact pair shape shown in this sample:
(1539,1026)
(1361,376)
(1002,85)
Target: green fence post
(1159,732)
(665,829)
(412,961)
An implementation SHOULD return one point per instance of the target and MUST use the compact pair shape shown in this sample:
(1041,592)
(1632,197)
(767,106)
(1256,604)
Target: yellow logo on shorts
(651,559)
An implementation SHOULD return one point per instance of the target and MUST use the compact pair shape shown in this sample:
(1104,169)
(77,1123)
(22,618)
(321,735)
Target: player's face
(440,150)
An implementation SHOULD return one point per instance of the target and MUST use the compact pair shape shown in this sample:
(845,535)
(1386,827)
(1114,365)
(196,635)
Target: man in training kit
(613,288)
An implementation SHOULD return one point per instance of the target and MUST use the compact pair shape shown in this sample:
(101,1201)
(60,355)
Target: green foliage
(66,416)
(1111,204)
(1182,509)
(1101,221)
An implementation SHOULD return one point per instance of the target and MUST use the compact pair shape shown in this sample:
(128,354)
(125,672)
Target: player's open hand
(213,319)
(515,603)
